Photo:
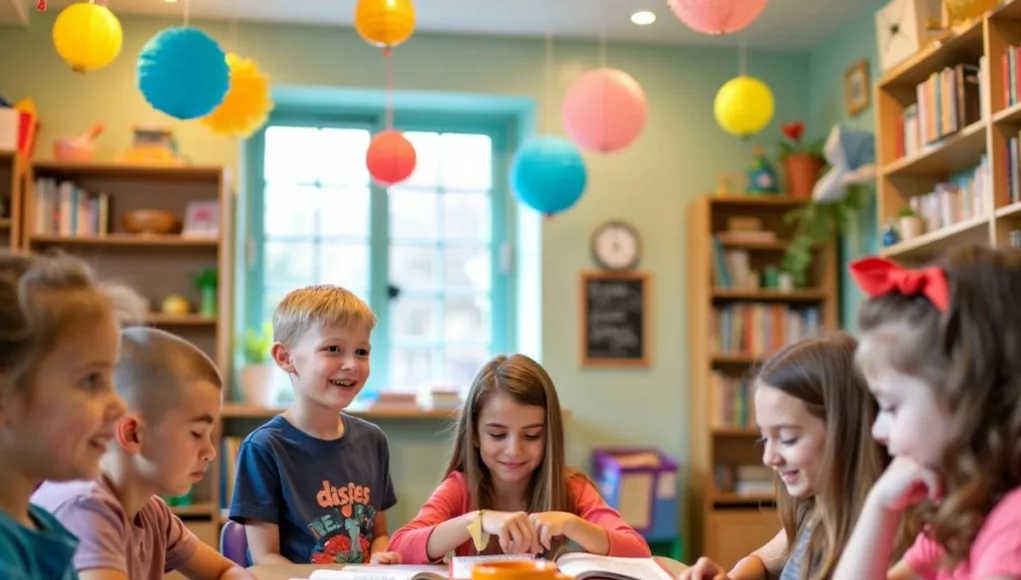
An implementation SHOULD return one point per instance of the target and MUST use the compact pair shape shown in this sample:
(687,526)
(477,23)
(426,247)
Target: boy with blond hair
(163,446)
(313,483)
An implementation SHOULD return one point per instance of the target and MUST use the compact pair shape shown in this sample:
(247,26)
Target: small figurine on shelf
(890,235)
(207,281)
(761,175)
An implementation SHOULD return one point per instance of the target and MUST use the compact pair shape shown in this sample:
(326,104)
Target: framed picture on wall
(857,88)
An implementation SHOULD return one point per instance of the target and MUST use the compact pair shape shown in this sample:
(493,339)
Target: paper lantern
(391,158)
(385,23)
(604,110)
(88,36)
(717,16)
(744,106)
(968,9)
(548,174)
(247,103)
(183,72)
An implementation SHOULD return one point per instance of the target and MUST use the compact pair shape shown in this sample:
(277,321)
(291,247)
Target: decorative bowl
(149,221)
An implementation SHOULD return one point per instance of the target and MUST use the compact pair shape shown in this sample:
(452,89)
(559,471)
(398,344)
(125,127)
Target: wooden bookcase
(12,172)
(729,519)
(983,209)
(154,265)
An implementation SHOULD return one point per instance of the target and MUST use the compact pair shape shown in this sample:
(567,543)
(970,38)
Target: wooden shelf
(158,319)
(126,240)
(1009,115)
(5,223)
(953,153)
(808,295)
(935,242)
(964,44)
(129,171)
(734,359)
(747,499)
(730,431)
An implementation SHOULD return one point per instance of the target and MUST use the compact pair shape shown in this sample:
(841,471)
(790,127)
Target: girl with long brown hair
(507,480)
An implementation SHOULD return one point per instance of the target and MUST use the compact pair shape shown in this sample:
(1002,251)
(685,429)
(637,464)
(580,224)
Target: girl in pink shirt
(507,478)
(940,353)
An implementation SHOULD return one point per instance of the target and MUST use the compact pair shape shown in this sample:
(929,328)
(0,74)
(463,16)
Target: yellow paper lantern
(744,106)
(247,103)
(968,9)
(385,23)
(88,36)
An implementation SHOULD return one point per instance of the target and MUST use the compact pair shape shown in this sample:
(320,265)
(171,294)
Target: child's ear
(282,356)
(129,434)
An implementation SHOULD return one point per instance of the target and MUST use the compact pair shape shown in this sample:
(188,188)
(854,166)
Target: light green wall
(856,40)
(676,159)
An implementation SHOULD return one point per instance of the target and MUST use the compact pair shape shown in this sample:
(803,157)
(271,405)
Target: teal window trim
(501,130)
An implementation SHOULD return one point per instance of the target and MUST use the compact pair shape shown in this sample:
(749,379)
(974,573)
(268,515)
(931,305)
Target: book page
(461,567)
(583,566)
(381,572)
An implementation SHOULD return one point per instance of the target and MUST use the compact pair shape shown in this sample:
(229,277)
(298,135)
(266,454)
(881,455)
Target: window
(429,255)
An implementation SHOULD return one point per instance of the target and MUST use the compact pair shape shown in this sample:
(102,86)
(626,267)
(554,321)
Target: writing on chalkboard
(614,314)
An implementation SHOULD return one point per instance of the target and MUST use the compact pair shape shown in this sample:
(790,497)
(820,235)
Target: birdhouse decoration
(604,110)
(88,36)
(717,17)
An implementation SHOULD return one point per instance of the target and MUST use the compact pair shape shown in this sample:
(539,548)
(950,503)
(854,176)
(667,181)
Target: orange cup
(518,570)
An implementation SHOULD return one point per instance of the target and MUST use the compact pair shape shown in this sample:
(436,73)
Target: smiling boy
(163,446)
(313,483)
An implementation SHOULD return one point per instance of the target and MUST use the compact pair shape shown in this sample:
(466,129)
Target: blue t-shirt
(323,495)
(44,553)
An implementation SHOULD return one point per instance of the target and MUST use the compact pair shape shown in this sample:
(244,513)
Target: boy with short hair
(313,483)
(163,447)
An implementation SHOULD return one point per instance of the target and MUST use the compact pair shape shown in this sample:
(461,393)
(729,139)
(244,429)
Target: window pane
(341,157)
(289,262)
(467,319)
(414,267)
(414,319)
(427,164)
(343,212)
(290,209)
(291,155)
(467,161)
(462,363)
(467,216)
(413,214)
(346,265)
(410,366)
(467,268)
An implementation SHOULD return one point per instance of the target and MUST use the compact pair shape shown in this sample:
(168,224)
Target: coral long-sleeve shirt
(450,500)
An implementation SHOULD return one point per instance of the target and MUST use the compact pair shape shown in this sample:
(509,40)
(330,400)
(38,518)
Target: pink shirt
(450,500)
(996,550)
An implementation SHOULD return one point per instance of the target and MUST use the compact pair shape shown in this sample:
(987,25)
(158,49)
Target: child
(313,484)
(814,409)
(163,446)
(507,478)
(59,344)
(940,351)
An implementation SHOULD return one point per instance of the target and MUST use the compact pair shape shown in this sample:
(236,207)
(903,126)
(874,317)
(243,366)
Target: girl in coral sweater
(507,489)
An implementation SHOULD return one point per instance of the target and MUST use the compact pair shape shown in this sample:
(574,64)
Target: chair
(234,543)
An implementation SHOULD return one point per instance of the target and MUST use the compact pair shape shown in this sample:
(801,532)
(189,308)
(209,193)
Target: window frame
(500,130)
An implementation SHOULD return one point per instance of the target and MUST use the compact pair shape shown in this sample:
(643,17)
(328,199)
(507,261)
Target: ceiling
(783,24)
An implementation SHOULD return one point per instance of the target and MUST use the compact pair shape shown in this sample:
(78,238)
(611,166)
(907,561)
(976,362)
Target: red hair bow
(878,276)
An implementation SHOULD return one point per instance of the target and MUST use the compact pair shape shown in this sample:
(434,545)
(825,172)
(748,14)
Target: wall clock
(616,246)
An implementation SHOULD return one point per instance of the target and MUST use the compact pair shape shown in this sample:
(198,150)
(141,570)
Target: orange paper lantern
(385,23)
(391,157)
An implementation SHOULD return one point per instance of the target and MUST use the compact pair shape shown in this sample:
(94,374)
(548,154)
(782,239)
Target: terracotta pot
(802,171)
(260,384)
(911,226)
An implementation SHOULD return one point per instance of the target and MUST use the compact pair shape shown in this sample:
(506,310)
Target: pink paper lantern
(604,110)
(717,16)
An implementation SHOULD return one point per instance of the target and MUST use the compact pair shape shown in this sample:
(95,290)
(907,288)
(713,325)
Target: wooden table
(288,571)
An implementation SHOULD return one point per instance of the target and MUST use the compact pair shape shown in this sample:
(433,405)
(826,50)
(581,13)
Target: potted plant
(801,162)
(206,282)
(911,226)
(258,375)
(816,224)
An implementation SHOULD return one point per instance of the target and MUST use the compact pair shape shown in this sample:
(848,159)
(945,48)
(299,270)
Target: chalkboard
(615,319)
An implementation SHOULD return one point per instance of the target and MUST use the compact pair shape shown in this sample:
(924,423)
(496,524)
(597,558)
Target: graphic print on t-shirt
(344,532)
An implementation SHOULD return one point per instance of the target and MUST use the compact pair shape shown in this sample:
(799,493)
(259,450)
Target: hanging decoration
(604,110)
(183,72)
(391,158)
(247,104)
(717,17)
(548,174)
(87,36)
(744,105)
(385,23)
(968,9)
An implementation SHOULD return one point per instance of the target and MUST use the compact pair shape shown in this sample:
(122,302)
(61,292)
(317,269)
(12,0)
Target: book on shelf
(730,398)
(961,197)
(757,328)
(579,565)
(745,480)
(946,102)
(65,209)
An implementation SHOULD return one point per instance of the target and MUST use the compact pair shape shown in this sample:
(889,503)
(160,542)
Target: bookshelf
(948,138)
(79,208)
(12,169)
(739,311)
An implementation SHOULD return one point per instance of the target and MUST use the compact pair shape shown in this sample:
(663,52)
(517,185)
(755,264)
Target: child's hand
(385,558)
(549,525)
(904,483)
(516,533)
(704,569)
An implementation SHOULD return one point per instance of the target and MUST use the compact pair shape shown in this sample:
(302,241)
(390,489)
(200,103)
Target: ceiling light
(643,18)
(170,1)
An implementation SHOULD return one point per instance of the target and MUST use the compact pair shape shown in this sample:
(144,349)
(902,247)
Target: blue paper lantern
(548,174)
(183,72)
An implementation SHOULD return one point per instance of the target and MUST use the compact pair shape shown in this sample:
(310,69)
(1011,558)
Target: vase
(207,305)
(911,226)
(802,171)
(259,384)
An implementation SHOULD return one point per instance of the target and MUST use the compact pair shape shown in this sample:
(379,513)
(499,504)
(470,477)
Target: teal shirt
(44,553)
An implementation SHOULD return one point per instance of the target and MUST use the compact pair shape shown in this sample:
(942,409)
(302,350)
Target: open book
(579,565)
